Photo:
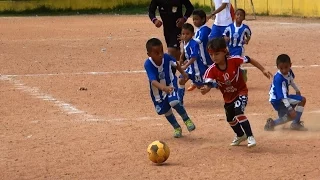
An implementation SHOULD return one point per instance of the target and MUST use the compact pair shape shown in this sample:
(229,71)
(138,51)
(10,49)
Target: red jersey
(230,80)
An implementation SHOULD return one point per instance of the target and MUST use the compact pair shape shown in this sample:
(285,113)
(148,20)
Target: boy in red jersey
(227,74)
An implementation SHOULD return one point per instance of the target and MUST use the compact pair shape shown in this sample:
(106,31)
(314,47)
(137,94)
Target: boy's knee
(304,100)
(182,81)
(168,113)
(174,103)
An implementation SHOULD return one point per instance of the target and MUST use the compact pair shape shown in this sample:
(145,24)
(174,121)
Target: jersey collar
(154,64)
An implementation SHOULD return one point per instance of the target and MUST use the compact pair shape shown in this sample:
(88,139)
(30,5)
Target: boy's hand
(158,23)
(168,89)
(227,39)
(292,114)
(267,73)
(185,76)
(245,41)
(298,93)
(184,67)
(204,89)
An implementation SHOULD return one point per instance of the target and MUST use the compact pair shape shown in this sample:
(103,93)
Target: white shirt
(223,18)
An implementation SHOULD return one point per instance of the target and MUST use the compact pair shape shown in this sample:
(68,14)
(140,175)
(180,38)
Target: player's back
(163,74)
(280,86)
(202,37)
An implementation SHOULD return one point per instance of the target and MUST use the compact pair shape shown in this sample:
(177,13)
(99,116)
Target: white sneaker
(251,141)
(237,140)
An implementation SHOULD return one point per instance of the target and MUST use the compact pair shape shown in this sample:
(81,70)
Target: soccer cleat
(269,125)
(237,140)
(298,126)
(251,141)
(177,132)
(190,125)
(191,87)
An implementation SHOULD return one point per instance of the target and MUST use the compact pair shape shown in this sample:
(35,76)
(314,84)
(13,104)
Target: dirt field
(49,129)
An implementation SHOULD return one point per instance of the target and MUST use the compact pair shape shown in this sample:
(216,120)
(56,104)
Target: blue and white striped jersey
(202,38)
(163,74)
(237,36)
(280,86)
(192,50)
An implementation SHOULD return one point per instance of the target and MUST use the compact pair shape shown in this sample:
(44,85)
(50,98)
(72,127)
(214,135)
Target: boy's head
(240,15)
(217,49)
(187,32)
(284,63)
(155,49)
(199,17)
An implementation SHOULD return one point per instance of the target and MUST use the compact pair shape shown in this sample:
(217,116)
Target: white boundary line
(125,72)
(65,107)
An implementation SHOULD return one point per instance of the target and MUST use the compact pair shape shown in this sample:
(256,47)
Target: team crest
(161,75)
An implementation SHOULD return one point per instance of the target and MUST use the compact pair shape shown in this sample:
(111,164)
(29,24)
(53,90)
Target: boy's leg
(173,121)
(239,106)
(181,88)
(297,124)
(234,124)
(175,103)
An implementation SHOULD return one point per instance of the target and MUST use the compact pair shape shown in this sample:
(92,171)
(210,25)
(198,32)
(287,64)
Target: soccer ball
(158,152)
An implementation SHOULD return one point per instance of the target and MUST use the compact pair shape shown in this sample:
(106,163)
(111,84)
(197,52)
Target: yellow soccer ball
(158,152)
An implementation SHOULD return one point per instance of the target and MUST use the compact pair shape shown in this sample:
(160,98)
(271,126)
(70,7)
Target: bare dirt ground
(49,129)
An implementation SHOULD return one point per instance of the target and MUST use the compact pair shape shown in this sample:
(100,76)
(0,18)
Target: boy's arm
(182,72)
(189,62)
(248,35)
(162,87)
(222,7)
(267,73)
(295,87)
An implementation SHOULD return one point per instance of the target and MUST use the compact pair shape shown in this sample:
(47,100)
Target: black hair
(216,44)
(188,26)
(201,14)
(243,11)
(283,58)
(153,42)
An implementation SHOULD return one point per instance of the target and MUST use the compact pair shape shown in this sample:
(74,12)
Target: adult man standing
(172,21)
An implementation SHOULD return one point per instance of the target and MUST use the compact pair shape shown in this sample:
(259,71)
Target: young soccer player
(193,66)
(280,99)
(236,35)
(163,85)
(201,37)
(226,72)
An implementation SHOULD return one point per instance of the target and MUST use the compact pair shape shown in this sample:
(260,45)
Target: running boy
(226,72)
(280,99)
(193,66)
(236,35)
(163,85)
(201,37)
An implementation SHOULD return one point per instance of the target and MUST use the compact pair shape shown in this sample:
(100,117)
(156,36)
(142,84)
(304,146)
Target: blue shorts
(217,31)
(236,51)
(282,109)
(163,106)
(196,80)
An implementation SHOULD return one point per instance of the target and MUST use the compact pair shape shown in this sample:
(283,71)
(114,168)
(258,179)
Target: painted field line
(65,107)
(126,72)
(201,115)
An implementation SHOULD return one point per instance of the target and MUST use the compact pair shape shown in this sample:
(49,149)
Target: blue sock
(181,111)
(173,121)
(299,110)
(181,91)
(278,121)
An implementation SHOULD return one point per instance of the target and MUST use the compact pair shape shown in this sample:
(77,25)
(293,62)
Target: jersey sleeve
(248,32)
(209,76)
(152,10)
(152,76)
(227,31)
(238,60)
(280,88)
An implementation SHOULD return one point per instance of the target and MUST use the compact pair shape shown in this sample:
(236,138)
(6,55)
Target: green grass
(124,9)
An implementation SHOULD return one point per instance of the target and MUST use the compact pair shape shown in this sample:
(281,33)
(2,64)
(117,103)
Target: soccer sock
(181,111)
(172,119)
(243,120)
(236,127)
(181,91)
(299,110)
(278,121)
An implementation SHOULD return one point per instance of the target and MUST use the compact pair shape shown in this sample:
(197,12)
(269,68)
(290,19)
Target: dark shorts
(171,37)
(236,107)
